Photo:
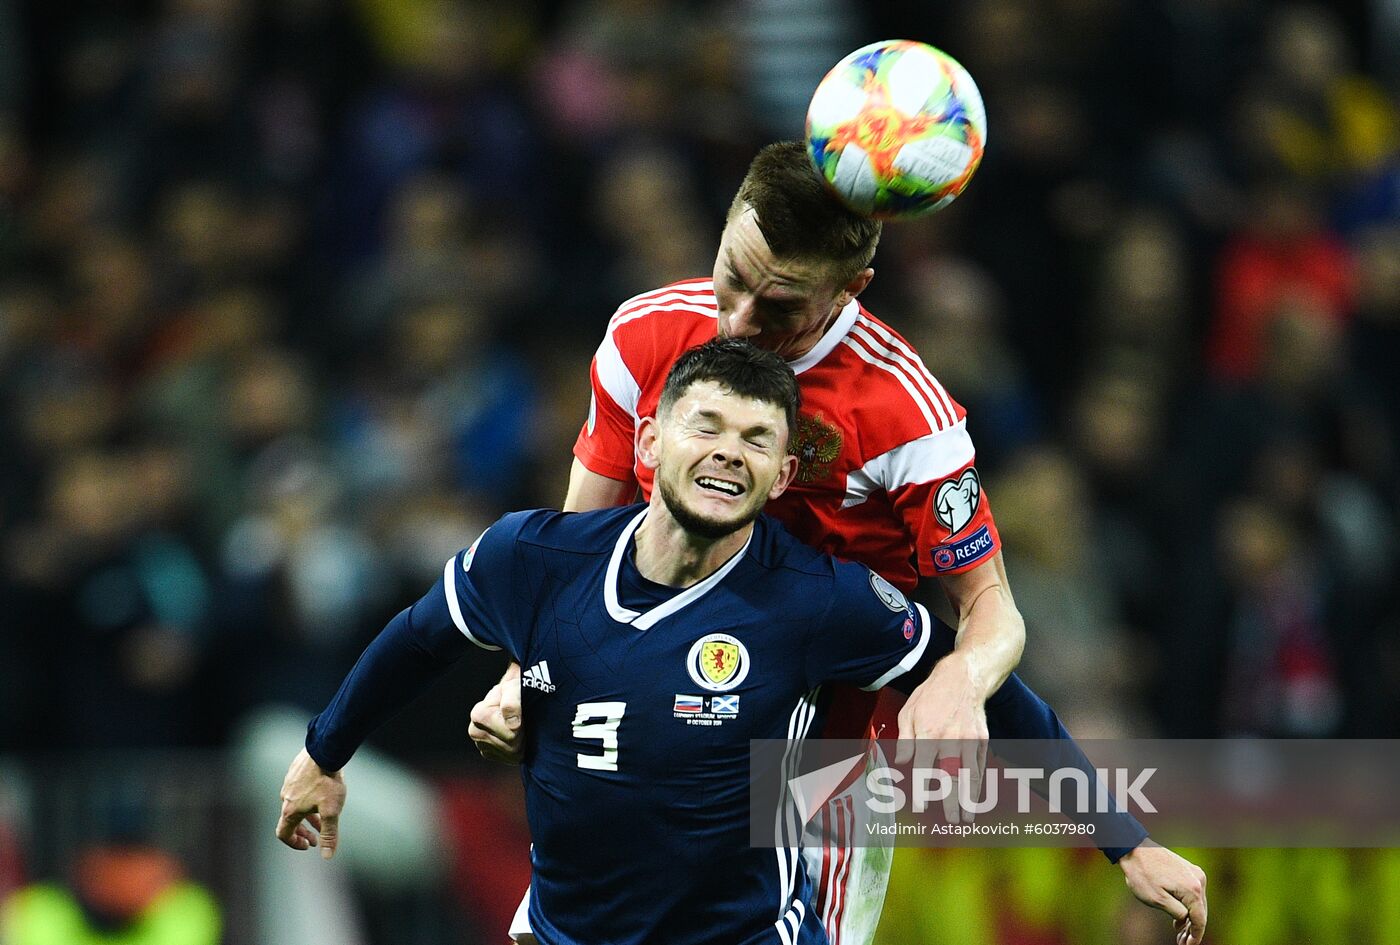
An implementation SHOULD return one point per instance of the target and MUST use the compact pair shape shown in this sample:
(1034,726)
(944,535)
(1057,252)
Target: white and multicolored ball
(897,129)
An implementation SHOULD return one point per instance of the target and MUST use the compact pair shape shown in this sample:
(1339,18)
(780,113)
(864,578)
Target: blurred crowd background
(296,297)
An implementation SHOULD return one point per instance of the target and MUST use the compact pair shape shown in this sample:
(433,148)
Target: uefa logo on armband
(965,551)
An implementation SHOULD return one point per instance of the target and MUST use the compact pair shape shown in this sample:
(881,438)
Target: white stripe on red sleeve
(923,460)
(622,318)
(919,400)
(615,377)
(688,287)
(911,357)
(698,296)
(908,366)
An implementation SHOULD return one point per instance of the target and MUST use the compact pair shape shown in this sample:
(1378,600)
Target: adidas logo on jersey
(537,677)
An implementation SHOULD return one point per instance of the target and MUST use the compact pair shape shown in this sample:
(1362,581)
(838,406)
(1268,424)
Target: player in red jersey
(886,477)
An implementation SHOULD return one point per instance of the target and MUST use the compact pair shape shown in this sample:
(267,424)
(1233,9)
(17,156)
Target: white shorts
(848,866)
(520,924)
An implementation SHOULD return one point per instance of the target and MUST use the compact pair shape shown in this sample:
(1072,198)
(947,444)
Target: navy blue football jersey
(639,710)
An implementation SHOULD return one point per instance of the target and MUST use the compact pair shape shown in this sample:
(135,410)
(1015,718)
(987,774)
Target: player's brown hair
(739,367)
(799,217)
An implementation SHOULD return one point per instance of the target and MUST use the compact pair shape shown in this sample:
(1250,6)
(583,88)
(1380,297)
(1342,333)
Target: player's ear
(855,287)
(786,472)
(648,436)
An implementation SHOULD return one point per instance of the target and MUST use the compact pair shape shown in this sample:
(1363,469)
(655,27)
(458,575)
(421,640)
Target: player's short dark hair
(799,217)
(739,367)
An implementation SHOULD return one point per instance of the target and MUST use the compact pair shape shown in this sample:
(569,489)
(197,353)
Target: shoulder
(811,584)
(648,332)
(774,548)
(909,429)
(576,532)
(689,297)
(664,319)
(897,392)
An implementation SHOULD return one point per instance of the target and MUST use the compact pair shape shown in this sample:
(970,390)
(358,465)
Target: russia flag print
(689,704)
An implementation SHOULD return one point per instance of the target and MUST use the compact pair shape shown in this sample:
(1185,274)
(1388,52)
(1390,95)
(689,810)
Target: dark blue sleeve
(870,635)
(941,639)
(410,652)
(474,602)
(486,590)
(1015,712)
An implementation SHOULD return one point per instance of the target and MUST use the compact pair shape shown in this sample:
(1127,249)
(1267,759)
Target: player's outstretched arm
(412,650)
(991,632)
(1156,875)
(1016,713)
(1172,883)
(991,635)
(948,710)
(315,796)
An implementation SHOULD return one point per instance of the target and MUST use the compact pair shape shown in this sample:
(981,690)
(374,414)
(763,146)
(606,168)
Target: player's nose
(741,322)
(731,458)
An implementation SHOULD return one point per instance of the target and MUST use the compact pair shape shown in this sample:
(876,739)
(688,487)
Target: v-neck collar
(645,620)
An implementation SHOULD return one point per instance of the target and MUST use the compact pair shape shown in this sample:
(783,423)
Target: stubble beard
(697,524)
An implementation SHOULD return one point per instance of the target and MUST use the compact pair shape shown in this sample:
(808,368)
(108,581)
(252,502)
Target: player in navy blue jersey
(634,624)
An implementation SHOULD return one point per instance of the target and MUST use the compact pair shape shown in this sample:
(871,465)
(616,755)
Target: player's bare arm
(495,720)
(991,633)
(947,712)
(589,490)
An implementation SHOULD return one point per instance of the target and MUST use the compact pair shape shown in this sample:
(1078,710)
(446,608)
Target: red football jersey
(885,465)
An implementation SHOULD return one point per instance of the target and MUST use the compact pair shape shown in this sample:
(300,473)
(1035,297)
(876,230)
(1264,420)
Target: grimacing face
(783,306)
(719,458)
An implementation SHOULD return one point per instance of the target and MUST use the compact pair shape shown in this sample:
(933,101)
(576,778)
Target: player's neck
(800,352)
(668,554)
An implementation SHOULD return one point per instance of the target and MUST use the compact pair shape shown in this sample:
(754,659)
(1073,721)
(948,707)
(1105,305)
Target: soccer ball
(896,129)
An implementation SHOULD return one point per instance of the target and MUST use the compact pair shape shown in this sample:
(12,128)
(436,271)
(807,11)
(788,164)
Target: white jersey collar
(645,621)
(830,340)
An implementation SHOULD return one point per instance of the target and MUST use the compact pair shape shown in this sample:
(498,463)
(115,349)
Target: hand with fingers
(312,795)
(1166,881)
(495,725)
(944,725)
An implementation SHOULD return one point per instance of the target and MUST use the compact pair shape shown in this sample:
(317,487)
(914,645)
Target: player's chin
(716,517)
(721,506)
